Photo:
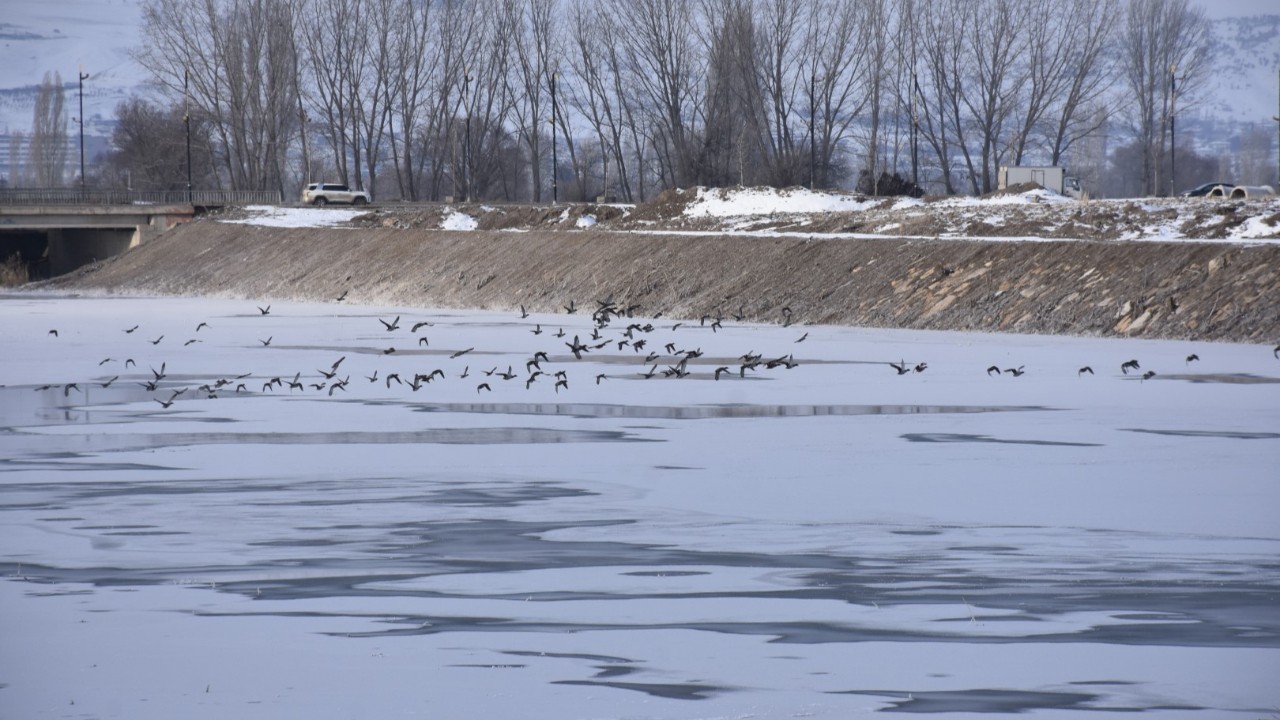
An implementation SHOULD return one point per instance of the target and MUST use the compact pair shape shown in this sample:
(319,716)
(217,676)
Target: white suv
(325,193)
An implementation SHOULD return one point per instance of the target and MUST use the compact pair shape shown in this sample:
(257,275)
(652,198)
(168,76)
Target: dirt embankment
(1170,290)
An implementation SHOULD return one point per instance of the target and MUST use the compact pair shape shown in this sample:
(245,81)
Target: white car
(325,193)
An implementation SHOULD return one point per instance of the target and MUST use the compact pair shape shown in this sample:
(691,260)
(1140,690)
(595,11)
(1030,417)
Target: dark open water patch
(669,691)
(977,701)
(963,437)
(1209,434)
(1225,378)
(569,656)
(701,412)
(48,450)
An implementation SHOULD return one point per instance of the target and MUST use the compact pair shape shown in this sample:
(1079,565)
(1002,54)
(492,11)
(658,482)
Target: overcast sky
(1236,8)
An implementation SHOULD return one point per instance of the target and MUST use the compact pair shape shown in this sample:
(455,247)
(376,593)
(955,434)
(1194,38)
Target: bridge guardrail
(75,196)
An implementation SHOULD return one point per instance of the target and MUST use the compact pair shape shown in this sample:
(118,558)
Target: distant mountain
(1244,86)
(39,36)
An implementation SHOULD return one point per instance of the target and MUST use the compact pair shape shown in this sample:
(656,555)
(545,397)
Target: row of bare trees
(474,98)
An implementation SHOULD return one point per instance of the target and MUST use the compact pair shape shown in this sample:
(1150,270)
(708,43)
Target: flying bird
(523,315)
(267,342)
(802,337)
(1083,370)
(483,386)
(264,310)
(1131,365)
(1148,375)
(901,367)
(393,325)
(341,297)
(460,353)
(135,327)
(418,325)
(1192,358)
(53,333)
(156,341)
(202,325)
(1016,372)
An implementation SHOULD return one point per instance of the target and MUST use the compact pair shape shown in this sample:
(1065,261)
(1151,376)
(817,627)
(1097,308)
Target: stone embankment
(1183,290)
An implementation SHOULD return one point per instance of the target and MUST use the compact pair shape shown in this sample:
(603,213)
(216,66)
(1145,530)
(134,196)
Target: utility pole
(555,163)
(186,120)
(1173,138)
(813,134)
(1277,119)
(466,148)
(80,121)
(915,132)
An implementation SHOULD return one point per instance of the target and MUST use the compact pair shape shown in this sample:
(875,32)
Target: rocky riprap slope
(1186,290)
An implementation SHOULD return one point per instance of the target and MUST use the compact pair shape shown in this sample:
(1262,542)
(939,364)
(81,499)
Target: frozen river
(183,535)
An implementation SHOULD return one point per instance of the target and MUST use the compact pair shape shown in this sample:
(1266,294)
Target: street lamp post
(1277,119)
(813,134)
(186,120)
(80,121)
(466,139)
(555,161)
(1173,138)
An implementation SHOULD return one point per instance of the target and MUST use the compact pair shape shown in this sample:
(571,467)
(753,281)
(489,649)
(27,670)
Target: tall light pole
(186,120)
(555,162)
(915,132)
(466,139)
(1277,119)
(813,133)
(1173,138)
(80,121)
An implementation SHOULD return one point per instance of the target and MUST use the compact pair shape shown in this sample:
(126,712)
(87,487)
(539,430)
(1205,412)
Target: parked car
(325,193)
(1207,190)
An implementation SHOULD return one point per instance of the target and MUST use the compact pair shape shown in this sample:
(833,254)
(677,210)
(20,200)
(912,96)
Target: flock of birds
(613,326)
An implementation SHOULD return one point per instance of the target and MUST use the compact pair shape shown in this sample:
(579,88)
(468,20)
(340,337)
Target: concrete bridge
(56,239)
(56,230)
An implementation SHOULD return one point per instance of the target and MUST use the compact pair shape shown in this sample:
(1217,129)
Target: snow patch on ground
(295,217)
(586,221)
(458,221)
(734,202)
(1030,197)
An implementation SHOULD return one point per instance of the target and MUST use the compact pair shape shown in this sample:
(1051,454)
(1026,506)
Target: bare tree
(1086,100)
(1165,47)
(149,147)
(239,56)
(48,146)
(664,65)
(408,86)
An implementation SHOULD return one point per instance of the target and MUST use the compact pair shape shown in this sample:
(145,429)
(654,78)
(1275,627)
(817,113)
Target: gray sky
(1236,8)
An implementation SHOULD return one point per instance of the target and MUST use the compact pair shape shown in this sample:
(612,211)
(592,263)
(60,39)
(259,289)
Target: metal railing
(75,196)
